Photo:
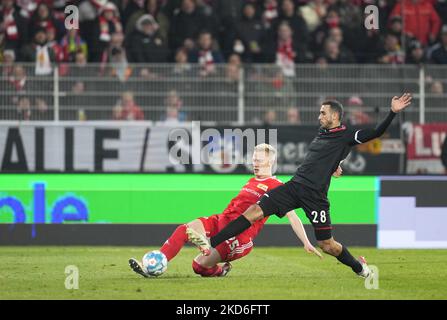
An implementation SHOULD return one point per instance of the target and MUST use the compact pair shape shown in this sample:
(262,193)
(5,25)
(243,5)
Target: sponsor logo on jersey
(257,194)
(262,186)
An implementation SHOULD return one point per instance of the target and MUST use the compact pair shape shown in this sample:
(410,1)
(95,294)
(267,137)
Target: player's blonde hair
(269,149)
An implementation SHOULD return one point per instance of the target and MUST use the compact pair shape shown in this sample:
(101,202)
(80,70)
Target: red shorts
(231,249)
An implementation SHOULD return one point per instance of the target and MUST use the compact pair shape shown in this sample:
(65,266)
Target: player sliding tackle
(309,186)
(208,265)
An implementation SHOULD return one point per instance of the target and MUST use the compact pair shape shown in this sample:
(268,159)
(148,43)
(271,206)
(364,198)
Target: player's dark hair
(336,107)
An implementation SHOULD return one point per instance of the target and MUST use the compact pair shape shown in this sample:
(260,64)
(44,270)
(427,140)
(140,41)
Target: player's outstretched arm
(298,228)
(397,105)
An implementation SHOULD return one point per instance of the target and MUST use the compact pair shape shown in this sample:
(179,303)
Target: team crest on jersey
(262,186)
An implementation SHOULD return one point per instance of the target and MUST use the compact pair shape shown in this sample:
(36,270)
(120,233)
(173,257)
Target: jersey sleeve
(275,183)
(368,134)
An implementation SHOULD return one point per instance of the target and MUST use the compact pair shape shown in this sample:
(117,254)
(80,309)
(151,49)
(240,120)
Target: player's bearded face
(261,164)
(326,117)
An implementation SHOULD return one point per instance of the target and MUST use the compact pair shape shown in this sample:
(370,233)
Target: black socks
(346,258)
(234,228)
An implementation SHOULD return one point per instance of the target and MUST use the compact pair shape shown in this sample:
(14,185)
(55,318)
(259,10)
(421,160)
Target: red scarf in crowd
(104,28)
(11,31)
(18,84)
(285,50)
(206,60)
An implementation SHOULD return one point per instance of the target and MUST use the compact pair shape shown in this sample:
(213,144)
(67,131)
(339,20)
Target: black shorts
(293,195)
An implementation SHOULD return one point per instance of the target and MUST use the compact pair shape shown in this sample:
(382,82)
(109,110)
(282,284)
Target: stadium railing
(222,93)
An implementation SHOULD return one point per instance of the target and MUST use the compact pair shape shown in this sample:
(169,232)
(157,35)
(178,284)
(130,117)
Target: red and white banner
(424,147)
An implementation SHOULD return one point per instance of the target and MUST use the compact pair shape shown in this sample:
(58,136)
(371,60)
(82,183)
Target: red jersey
(250,193)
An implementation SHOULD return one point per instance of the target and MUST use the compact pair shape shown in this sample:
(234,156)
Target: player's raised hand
(311,249)
(400,103)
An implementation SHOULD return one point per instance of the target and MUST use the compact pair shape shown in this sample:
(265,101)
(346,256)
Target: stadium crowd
(202,38)
(210,31)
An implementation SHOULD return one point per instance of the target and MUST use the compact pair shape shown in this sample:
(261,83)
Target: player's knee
(254,213)
(328,246)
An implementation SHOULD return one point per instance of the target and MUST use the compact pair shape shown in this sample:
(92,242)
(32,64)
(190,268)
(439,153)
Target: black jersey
(329,148)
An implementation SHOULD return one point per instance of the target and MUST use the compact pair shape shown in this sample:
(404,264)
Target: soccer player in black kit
(309,186)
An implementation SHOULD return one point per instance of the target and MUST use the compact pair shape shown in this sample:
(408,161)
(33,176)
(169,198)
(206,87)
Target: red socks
(175,242)
(206,272)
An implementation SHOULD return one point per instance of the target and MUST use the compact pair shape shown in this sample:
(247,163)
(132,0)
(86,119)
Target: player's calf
(216,271)
(342,254)
(330,247)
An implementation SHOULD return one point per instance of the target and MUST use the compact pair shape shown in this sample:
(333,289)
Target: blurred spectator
(435,97)
(228,14)
(336,34)
(272,88)
(182,65)
(293,116)
(270,117)
(9,57)
(18,85)
(283,50)
(355,113)
(331,20)
(27,7)
(23,109)
(127,109)
(286,52)
(145,44)
(350,13)
(186,24)
(249,32)
(436,88)
(173,108)
(296,23)
(42,111)
(269,12)
(13,27)
(72,43)
(396,28)
(416,54)
(334,54)
(40,53)
(313,13)
(152,8)
(43,18)
(80,67)
(108,24)
(54,45)
(441,9)
(115,59)
(205,55)
(439,50)
(128,8)
(421,19)
(391,52)
(233,69)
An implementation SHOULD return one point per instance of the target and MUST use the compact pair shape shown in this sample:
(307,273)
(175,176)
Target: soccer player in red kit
(235,248)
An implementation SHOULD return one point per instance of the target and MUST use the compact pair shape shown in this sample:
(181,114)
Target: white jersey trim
(355,136)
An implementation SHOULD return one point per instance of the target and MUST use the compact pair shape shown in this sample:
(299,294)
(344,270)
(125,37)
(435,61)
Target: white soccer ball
(155,263)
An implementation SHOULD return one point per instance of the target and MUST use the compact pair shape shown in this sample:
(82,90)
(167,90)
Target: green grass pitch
(267,273)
